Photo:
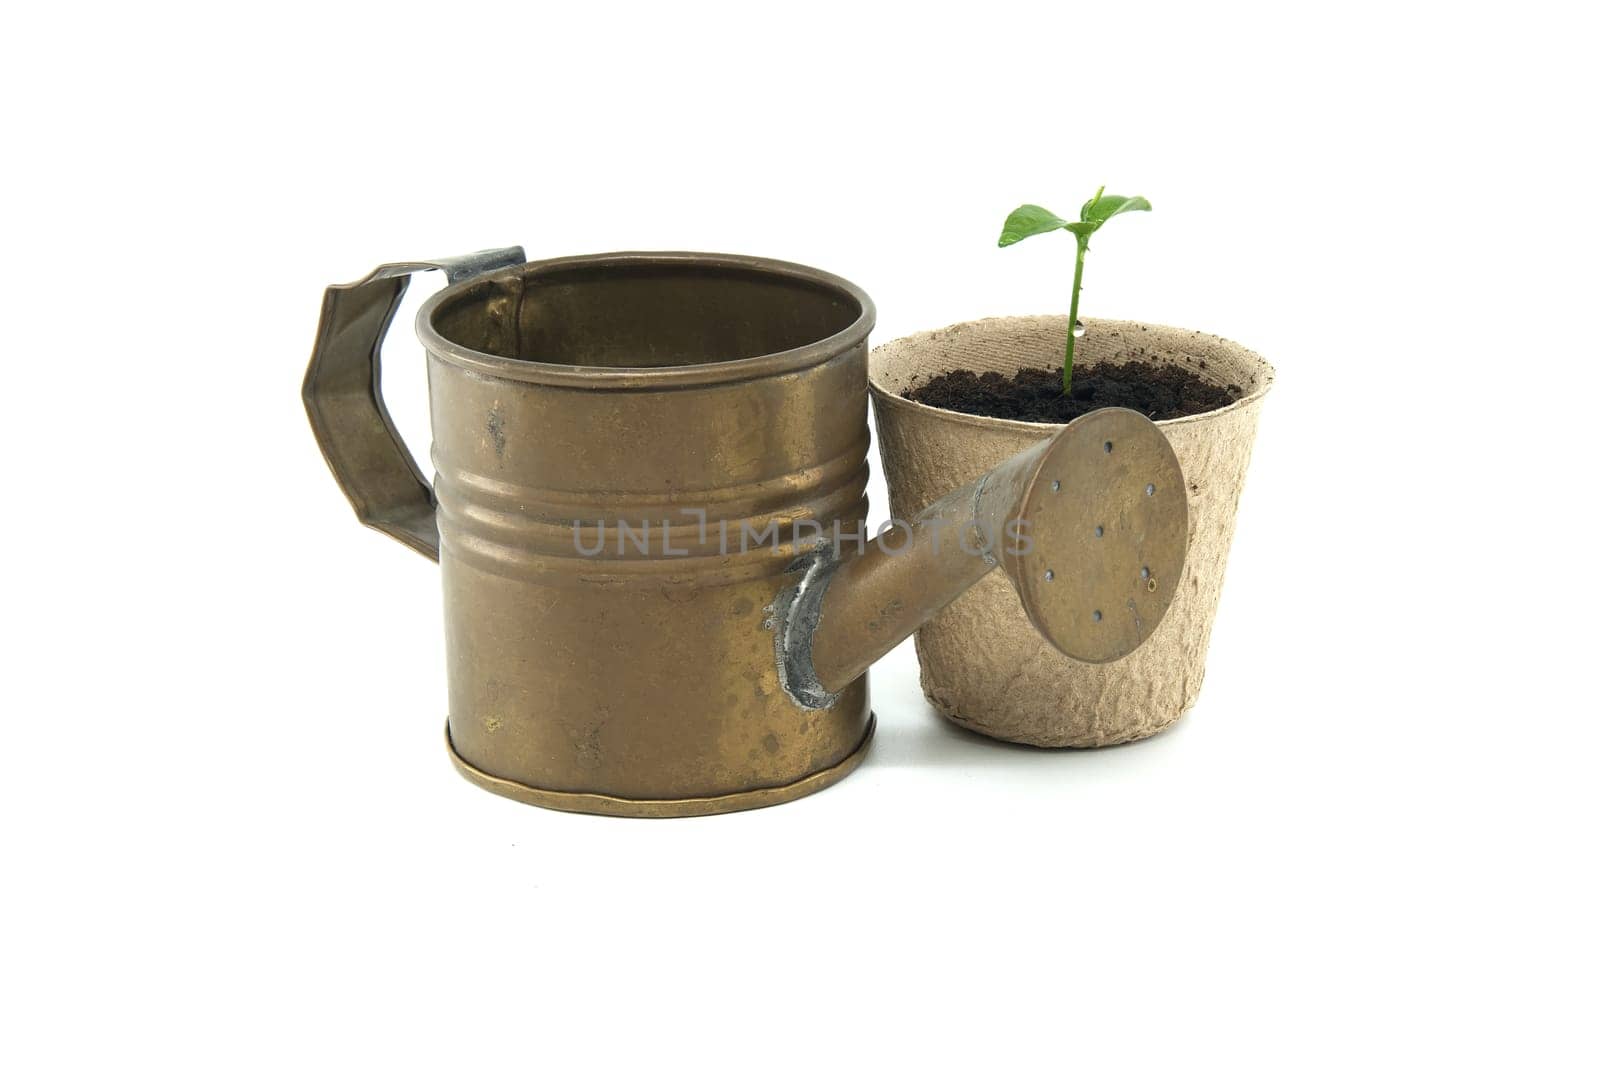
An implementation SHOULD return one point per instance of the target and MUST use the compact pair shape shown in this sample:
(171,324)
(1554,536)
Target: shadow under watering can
(648,514)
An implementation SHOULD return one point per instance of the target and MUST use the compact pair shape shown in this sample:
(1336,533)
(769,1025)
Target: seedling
(1031,219)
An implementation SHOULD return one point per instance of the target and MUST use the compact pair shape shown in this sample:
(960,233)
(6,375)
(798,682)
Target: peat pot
(983,665)
(658,597)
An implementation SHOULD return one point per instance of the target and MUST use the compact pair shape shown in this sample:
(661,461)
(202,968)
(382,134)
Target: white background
(230,828)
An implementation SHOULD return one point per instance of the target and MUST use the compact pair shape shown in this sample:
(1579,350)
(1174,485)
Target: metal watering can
(660,597)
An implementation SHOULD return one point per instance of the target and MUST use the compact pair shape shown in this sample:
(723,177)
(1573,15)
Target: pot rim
(882,395)
(649,378)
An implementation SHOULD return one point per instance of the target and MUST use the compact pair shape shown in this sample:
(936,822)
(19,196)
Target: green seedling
(1031,219)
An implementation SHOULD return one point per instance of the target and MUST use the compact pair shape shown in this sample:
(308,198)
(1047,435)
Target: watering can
(660,596)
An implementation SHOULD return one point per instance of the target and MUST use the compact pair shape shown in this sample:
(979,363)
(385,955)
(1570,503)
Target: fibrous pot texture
(983,664)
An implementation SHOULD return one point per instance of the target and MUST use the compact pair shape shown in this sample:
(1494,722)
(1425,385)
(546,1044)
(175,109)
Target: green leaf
(1030,220)
(1101,209)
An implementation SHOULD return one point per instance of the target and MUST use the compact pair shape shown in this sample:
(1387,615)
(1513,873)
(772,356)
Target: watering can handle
(345,404)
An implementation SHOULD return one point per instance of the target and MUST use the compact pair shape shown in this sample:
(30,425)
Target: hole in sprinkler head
(1149,489)
(1108,447)
(1097,615)
(1049,574)
(1151,585)
(1099,530)
(1055,486)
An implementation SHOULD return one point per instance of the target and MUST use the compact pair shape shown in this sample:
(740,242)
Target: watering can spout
(1091,526)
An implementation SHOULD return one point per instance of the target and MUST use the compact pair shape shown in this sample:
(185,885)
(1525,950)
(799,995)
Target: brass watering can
(649,512)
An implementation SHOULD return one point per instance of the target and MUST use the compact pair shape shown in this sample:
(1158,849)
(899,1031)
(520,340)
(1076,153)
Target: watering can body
(636,458)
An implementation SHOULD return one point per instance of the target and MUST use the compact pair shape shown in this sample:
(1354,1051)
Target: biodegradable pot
(983,664)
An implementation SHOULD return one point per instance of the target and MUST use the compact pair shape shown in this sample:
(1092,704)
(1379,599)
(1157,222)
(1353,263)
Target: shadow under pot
(983,665)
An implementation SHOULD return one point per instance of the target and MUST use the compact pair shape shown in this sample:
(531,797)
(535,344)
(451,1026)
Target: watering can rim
(652,378)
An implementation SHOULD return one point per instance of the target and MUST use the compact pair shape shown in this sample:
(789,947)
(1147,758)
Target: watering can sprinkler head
(1091,526)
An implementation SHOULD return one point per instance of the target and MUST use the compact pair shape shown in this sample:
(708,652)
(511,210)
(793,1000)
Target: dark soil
(1156,391)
